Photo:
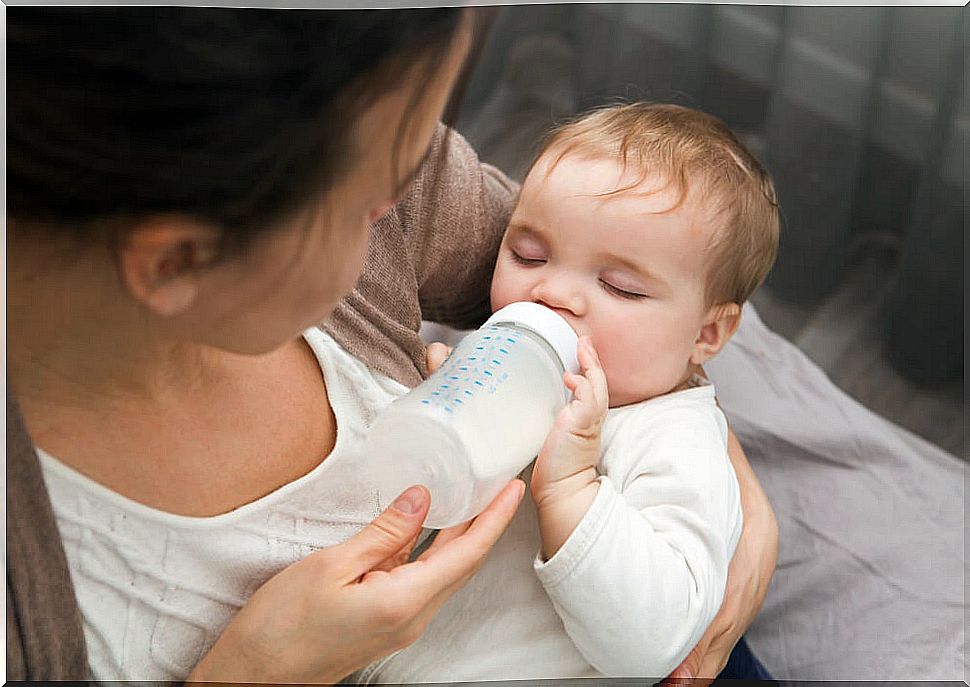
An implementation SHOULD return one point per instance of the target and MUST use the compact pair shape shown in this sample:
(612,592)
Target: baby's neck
(687,381)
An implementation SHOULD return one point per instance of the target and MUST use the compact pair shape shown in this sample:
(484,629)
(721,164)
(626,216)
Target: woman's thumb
(388,533)
(436,354)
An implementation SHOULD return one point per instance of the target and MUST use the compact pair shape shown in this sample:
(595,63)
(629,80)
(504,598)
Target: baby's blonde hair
(699,154)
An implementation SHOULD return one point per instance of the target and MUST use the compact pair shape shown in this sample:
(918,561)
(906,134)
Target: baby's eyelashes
(623,293)
(524,260)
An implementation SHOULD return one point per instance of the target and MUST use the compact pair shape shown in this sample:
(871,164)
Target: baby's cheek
(495,295)
(502,291)
(634,373)
(620,375)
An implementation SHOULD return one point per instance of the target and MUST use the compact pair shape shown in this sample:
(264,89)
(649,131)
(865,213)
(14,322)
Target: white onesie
(634,586)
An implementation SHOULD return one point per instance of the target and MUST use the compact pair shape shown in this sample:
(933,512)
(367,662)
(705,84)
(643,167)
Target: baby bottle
(480,419)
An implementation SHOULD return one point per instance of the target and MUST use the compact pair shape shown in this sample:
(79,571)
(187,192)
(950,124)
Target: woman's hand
(345,606)
(749,575)
(435,354)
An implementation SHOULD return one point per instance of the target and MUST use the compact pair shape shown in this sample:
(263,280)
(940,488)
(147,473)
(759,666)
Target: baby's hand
(583,416)
(564,477)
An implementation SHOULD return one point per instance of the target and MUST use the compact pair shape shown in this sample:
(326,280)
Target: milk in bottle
(480,419)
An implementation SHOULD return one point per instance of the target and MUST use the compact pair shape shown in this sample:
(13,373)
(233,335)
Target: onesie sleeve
(457,209)
(643,574)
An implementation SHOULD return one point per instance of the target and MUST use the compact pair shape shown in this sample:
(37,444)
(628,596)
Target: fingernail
(410,501)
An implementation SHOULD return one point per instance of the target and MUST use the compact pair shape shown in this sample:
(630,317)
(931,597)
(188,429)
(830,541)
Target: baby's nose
(561,296)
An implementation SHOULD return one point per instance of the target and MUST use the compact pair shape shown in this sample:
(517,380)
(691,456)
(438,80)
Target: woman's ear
(160,260)
(720,323)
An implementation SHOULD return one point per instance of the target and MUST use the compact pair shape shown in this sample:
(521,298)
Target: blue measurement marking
(502,350)
(452,377)
(467,392)
(447,409)
(463,369)
(435,393)
(426,402)
(488,373)
(510,340)
(497,362)
(479,383)
(443,386)
(457,400)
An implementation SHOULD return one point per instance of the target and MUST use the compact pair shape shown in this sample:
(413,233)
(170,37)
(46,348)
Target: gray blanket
(870,583)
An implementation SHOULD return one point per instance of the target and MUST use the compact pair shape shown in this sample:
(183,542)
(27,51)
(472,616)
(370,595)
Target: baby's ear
(720,323)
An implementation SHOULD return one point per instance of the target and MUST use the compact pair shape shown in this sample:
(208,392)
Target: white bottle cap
(546,323)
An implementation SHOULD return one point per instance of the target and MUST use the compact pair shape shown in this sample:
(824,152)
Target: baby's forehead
(633,190)
(607,177)
(601,172)
(557,157)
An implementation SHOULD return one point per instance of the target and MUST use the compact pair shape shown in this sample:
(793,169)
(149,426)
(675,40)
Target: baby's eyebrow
(623,261)
(525,228)
(628,264)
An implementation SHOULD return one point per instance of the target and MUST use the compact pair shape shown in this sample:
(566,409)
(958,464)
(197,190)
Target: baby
(646,227)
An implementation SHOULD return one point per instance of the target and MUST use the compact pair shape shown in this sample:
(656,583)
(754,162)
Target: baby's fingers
(589,361)
(582,412)
(578,385)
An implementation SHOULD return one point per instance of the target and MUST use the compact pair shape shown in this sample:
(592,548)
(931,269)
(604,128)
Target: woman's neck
(76,341)
(183,428)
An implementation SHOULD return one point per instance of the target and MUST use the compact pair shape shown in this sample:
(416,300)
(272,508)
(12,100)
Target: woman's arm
(342,607)
(749,575)
(456,214)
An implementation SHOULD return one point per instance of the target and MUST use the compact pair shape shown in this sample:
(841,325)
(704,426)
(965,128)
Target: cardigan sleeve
(430,257)
(44,637)
(458,211)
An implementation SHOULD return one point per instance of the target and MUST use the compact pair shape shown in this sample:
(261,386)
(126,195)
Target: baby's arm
(564,480)
(640,575)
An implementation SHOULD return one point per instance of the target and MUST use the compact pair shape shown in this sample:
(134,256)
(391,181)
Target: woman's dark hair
(233,116)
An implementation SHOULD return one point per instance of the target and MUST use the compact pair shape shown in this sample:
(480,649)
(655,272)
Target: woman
(188,190)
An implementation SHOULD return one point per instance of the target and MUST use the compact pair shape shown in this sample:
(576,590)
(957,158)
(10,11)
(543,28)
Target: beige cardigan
(429,258)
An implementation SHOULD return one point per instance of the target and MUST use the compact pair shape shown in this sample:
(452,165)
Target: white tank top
(155,589)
